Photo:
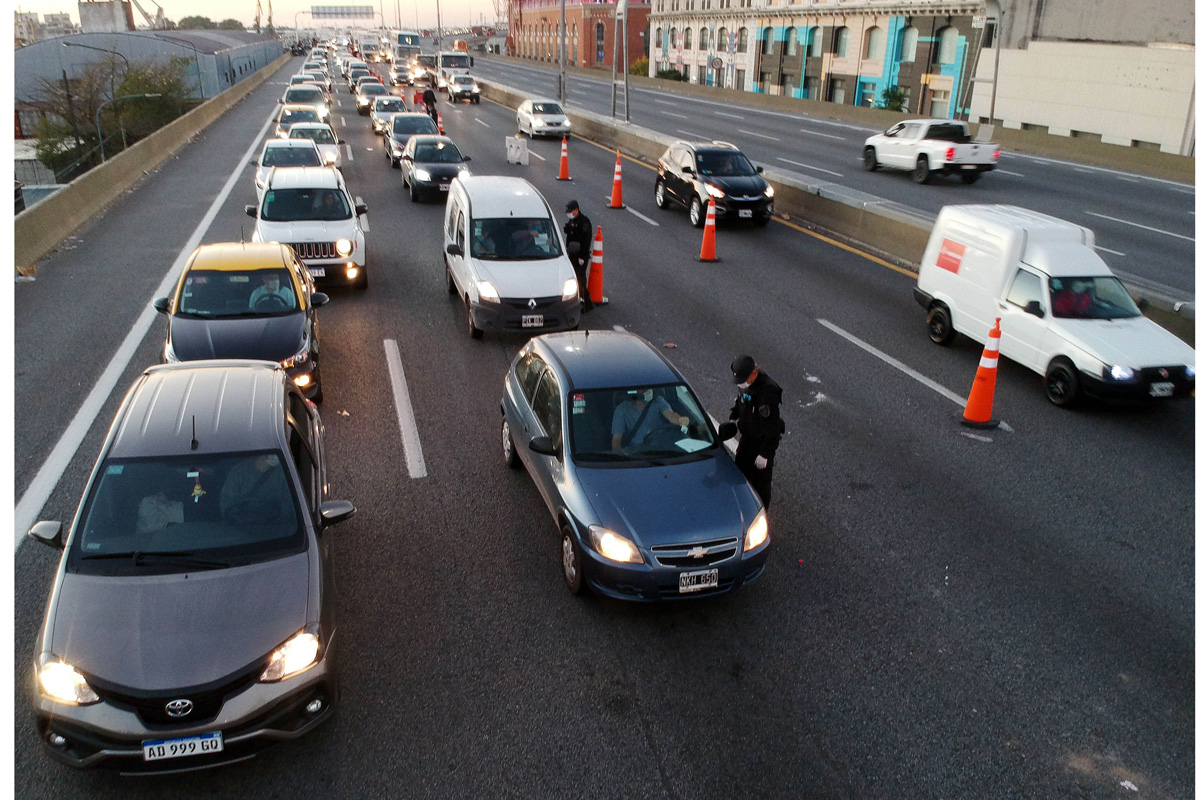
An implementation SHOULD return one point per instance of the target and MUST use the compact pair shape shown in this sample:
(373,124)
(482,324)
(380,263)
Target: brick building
(533,27)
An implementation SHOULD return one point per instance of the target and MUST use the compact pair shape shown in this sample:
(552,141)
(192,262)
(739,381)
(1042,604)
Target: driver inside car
(640,415)
(271,296)
(253,491)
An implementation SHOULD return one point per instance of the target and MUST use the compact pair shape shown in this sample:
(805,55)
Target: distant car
(462,87)
(291,114)
(284,153)
(354,74)
(647,503)
(366,94)
(323,137)
(927,147)
(428,165)
(322,79)
(543,118)
(399,76)
(383,108)
(692,173)
(246,300)
(308,96)
(403,126)
(191,622)
(358,82)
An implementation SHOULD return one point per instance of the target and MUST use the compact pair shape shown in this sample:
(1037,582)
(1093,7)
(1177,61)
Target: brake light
(996,155)
(949,153)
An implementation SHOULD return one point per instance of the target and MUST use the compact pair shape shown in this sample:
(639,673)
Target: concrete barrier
(38,230)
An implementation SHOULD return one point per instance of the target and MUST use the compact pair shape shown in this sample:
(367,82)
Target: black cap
(572,205)
(742,366)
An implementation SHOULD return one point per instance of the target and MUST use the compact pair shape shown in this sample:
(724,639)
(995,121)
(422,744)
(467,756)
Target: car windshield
(723,164)
(300,79)
(407,126)
(390,104)
(290,205)
(229,293)
(180,513)
(437,153)
(372,89)
(302,94)
(287,117)
(318,135)
(466,82)
(547,108)
(514,239)
(290,157)
(1100,297)
(355,74)
(638,423)
(456,62)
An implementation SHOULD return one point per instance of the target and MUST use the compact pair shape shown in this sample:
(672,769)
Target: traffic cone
(978,413)
(418,99)
(595,287)
(616,201)
(441,130)
(564,171)
(708,247)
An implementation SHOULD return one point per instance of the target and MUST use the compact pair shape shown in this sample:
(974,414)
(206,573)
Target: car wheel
(472,331)
(937,321)
(361,283)
(869,159)
(696,212)
(572,564)
(970,177)
(412,192)
(506,445)
(450,290)
(762,219)
(1062,383)
(921,173)
(660,194)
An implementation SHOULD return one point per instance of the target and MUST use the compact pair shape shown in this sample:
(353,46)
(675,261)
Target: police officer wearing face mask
(578,233)
(757,415)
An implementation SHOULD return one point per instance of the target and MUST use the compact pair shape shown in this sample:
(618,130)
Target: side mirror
(341,141)
(319,299)
(335,511)
(543,445)
(162,305)
(726,431)
(454,250)
(758,170)
(48,533)
(251,211)
(688,171)
(360,209)
(466,158)
(1142,304)
(254,163)
(1035,307)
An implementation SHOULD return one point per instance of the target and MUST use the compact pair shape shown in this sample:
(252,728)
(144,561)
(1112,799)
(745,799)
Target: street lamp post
(111,86)
(562,53)
(99,133)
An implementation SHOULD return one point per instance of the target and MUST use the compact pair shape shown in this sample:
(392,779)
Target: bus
(406,45)
(451,64)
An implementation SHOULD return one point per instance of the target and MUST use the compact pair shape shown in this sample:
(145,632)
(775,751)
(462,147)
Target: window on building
(575,44)
(908,45)
(704,38)
(768,41)
(815,37)
(723,40)
(790,38)
(743,36)
(812,88)
(875,43)
(939,104)
(841,42)
(600,42)
(837,90)
(868,96)
(672,37)
(947,45)
(687,38)
(658,39)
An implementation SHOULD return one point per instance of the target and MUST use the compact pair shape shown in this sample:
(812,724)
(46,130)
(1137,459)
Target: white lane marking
(349,152)
(731,116)
(481,122)
(691,135)
(1176,185)
(810,166)
(51,471)
(1118,177)
(759,135)
(639,215)
(535,155)
(826,135)
(1105,249)
(673,114)
(665,103)
(910,372)
(404,412)
(343,119)
(1008,172)
(1136,225)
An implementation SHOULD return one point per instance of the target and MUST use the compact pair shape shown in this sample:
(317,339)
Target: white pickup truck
(927,146)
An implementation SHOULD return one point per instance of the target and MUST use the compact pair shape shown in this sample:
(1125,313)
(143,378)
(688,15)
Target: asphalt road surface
(945,613)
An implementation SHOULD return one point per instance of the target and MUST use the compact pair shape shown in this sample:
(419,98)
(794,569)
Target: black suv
(692,172)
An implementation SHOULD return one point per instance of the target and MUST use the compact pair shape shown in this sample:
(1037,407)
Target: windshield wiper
(601,457)
(180,558)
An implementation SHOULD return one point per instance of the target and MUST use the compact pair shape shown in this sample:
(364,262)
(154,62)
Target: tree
(640,67)
(893,98)
(230,25)
(196,24)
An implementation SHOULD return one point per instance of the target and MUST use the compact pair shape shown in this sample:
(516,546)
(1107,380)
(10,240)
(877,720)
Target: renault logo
(532,303)
(179,708)
(698,552)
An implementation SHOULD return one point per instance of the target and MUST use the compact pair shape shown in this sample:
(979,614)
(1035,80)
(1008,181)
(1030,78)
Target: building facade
(592,32)
(27,29)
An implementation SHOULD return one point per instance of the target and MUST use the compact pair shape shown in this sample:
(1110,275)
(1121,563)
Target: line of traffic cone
(708,246)
(617,201)
(978,413)
(418,99)
(564,171)
(441,130)
(595,287)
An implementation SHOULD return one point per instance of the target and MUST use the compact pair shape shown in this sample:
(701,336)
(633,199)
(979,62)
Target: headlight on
(570,288)
(296,360)
(1121,373)
(330,158)
(488,292)
(344,247)
(538,123)
(62,683)
(756,534)
(421,174)
(715,191)
(1190,372)
(770,192)
(614,546)
(293,657)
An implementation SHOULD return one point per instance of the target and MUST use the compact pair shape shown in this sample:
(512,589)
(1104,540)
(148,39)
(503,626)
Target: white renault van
(506,259)
(1062,312)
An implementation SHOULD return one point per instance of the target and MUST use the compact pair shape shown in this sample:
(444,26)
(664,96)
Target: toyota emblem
(179,708)
(532,303)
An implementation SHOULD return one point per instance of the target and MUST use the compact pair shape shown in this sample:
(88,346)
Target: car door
(547,471)
(887,149)
(456,234)
(519,399)
(523,116)
(1022,332)
(672,175)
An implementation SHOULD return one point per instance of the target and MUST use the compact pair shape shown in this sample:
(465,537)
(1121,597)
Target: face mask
(648,395)
(745,385)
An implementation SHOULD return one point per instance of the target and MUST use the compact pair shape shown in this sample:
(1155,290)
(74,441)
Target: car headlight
(770,192)
(62,683)
(292,657)
(330,158)
(421,174)
(566,123)
(714,191)
(538,123)
(570,288)
(614,546)
(1118,373)
(475,91)
(344,247)
(296,360)
(1190,372)
(756,534)
(488,292)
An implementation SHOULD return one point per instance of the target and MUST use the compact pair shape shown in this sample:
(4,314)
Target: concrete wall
(1114,21)
(109,17)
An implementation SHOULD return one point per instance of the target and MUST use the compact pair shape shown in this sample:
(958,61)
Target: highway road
(946,613)
(1145,227)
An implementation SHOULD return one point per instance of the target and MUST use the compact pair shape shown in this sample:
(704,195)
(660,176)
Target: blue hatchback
(648,503)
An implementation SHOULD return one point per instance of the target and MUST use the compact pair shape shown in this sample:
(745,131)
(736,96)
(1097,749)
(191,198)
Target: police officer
(756,412)
(429,98)
(578,230)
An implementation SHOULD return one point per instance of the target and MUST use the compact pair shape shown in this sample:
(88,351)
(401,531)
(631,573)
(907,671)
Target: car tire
(507,448)
(696,212)
(761,220)
(395,163)
(413,195)
(361,284)
(472,331)
(921,173)
(572,564)
(938,324)
(1062,383)
(451,290)
(869,159)
(970,177)
(660,194)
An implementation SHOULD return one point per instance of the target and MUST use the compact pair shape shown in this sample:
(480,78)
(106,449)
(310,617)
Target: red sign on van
(950,256)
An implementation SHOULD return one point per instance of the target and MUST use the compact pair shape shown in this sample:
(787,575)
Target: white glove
(760,462)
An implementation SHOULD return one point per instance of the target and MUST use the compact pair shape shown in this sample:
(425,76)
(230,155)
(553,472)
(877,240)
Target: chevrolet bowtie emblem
(698,552)
(532,303)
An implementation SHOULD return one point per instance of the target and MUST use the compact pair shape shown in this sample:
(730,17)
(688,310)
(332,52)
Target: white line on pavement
(759,135)
(1105,249)
(343,119)
(810,166)
(673,114)
(535,155)
(481,122)
(639,215)
(404,412)
(1144,227)
(349,152)
(826,135)
(731,116)
(1118,177)
(690,134)
(619,328)
(912,373)
(51,471)
(1008,172)
(665,103)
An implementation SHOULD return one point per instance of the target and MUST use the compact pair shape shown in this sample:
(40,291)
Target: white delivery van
(506,259)
(1062,312)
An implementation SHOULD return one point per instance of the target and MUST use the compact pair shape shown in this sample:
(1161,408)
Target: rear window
(417,124)
(290,157)
(369,89)
(301,94)
(948,133)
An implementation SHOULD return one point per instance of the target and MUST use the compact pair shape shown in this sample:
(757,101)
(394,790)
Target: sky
(413,13)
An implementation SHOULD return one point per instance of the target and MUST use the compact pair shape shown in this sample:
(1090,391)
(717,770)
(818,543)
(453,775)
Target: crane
(159,21)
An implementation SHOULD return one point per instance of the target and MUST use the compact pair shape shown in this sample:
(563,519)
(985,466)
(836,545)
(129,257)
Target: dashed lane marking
(349,152)
(1009,172)
(1138,225)
(759,135)
(673,114)
(535,155)
(481,122)
(404,411)
(810,166)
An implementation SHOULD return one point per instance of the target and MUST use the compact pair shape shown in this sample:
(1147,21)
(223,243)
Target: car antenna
(195,442)
(243,234)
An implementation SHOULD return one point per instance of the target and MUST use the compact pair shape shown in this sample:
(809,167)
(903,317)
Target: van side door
(1022,330)
(453,234)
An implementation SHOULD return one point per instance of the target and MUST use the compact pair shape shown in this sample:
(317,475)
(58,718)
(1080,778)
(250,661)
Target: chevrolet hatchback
(647,502)
(191,622)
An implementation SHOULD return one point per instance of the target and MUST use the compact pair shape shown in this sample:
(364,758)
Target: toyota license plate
(176,748)
(531,321)
(317,272)
(695,581)
(1162,389)
(745,213)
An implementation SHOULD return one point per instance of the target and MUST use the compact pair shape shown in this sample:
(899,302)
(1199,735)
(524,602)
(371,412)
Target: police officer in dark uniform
(757,415)
(429,97)
(578,230)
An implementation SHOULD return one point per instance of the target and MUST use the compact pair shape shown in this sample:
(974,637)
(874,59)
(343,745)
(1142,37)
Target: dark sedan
(405,125)
(693,173)
(246,300)
(428,165)
(647,501)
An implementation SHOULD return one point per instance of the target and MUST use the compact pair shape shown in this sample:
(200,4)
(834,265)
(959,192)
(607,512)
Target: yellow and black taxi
(246,300)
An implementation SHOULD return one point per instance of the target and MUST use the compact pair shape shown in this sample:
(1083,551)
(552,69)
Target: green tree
(892,98)
(640,67)
(196,24)
(231,25)
(670,75)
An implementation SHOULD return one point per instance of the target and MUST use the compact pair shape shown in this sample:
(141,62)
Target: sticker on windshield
(578,404)
(115,469)
(239,278)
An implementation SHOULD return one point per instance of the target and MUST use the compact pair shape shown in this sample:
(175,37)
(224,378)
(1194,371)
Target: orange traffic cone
(708,247)
(595,287)
(417,99)
(441,130)
(617,201)
(564,172)
(978,413)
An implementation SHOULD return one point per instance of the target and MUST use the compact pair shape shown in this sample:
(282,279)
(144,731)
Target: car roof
(298,107)
(292,143)
(305,178)
(235,405)
(701,147)
(503,196)
(299,126)
(534,100)
(239,256)
(429,138)
(606,359)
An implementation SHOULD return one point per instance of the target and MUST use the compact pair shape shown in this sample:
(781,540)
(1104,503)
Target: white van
(506,259)
(1062,312)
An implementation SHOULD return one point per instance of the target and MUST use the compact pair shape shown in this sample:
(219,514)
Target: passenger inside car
(272,294)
